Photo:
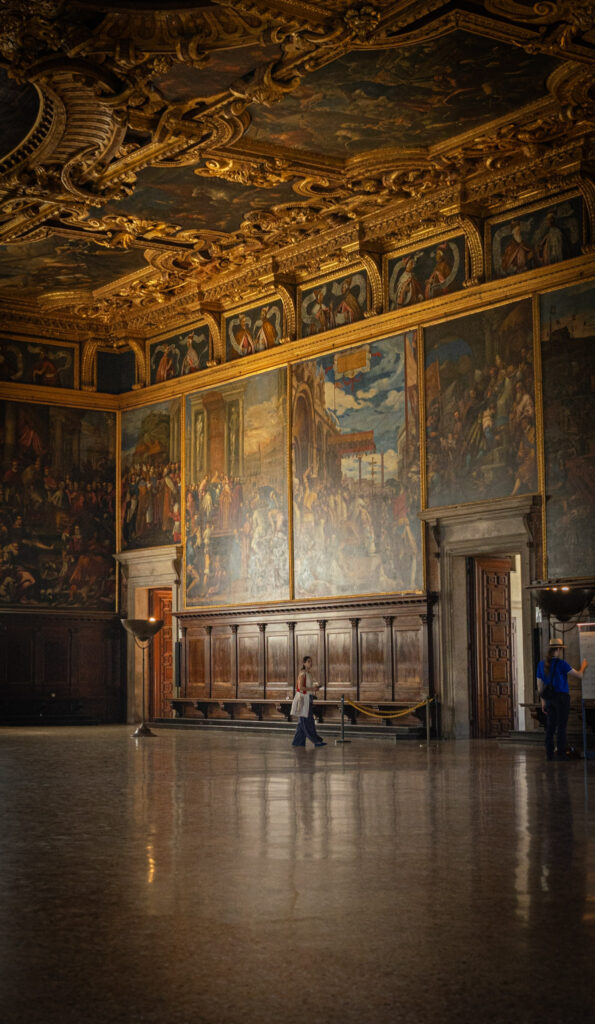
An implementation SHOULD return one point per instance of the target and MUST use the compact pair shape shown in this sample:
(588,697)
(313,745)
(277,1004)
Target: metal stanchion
(342,739)
(428,720)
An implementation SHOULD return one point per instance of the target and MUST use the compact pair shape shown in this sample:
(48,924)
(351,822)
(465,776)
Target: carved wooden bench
(271,708)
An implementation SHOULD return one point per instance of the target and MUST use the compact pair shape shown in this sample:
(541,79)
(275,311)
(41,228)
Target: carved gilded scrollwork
(289,311)
(375,282)
(473,237)
(264,173)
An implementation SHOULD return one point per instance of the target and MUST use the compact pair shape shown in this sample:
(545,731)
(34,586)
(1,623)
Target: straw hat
(556,643)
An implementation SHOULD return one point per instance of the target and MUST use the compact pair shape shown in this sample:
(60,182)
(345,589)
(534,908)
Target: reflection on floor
(229,879)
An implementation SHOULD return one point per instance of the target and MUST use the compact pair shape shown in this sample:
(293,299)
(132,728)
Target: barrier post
(342,739)
(428,720)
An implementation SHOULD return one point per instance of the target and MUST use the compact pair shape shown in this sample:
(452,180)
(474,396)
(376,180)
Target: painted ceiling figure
(191,361)
(409,290)
(45,371)
(243,337)
(266,336)
(436,284)
(348,308)
(517,256)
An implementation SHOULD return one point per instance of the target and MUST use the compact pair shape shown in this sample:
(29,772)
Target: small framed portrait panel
(253,330)
(422,273)
(538,236)
(333,302)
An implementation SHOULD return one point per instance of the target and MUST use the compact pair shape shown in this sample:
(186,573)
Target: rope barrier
(389,714)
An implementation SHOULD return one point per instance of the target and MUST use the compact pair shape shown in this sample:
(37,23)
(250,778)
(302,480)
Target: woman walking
(552,683)
(306,728)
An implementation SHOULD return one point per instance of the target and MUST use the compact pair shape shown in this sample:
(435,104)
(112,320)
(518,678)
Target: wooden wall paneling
(376,651)
(306,646)
(389,655)
(372,642)
(17,659)
(61,666)
(355,681)
(338,648)
(196,683)
(409,659)
(54,662)
(249,645)
(291,656)
(234,657)
(262,679)
(277,660)
(322,676)
(223,658)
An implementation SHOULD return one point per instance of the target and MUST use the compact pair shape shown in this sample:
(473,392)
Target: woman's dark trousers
(557,710)
(306,728)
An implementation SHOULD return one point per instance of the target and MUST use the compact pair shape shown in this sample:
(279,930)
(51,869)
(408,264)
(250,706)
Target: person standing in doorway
(306,728)
(552,683)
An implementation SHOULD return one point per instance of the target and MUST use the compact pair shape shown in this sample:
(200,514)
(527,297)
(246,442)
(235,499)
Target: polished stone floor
(217,878)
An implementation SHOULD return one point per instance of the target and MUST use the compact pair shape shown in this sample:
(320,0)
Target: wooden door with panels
(492,697)
(161,662)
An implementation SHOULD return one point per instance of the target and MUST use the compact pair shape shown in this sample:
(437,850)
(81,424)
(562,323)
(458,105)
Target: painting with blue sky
(356,489)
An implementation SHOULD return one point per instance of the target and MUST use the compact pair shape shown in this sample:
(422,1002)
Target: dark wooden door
(161,660)
(493,644)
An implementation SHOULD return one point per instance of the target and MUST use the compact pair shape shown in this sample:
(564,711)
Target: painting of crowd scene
(150,491)
(254,330)
(57,507)
(334,304)
(537,238)
(426,273)
(568,362)
(480,406)
(179,355)
(236,493)
(356,489)
(37,363)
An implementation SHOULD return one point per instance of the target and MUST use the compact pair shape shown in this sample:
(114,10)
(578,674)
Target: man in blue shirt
(552,683)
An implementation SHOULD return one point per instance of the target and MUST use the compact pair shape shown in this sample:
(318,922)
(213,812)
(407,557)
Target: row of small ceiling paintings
(544,236)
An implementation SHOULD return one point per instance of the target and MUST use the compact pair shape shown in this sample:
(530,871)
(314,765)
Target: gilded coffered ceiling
(157,159)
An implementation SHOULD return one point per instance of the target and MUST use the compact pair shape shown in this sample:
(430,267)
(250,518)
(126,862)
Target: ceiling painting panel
(176,195)
(182,83)
(416,96)
(58,264)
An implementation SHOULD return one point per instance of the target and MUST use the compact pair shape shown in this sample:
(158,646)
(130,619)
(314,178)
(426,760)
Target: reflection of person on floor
(552,683)
(306,728)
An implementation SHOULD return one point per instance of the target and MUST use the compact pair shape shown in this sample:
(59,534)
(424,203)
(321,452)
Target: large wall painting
(480,406)
(356,471)
(254,330)
(150,496)
(57,507)
(236,497)
(39,362)
(179,355)
(536,237)
(568,360)
(343,300)
(427,273)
